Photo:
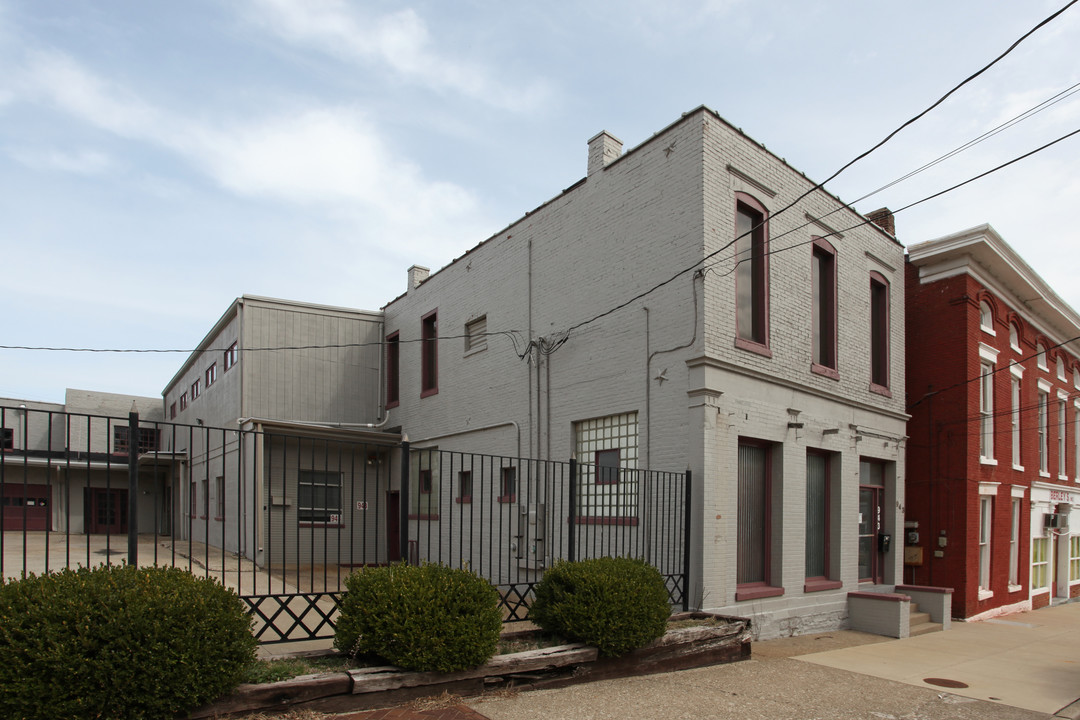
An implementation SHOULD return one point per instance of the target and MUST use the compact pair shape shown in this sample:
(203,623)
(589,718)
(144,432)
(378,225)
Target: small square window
(476,335)
(607,467)
(229,358)
(508,485)
(464,486)
(219,494)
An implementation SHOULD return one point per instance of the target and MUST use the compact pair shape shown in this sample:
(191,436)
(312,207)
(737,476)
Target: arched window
(1014,337)
(986,317)
(1040,356)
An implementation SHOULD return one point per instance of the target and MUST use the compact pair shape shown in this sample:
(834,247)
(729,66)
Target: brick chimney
(417,275)
(883,218)
(603,149)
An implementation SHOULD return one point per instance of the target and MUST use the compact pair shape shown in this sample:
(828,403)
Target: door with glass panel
(871,512)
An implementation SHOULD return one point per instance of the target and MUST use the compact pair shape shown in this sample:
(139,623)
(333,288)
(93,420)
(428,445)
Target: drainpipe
(528,383)
(649,359)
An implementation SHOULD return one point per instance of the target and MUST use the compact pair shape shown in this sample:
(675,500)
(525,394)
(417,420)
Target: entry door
(108,511)
(870,512)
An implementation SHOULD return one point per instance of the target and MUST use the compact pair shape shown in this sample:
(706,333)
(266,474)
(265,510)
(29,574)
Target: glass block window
(607,454)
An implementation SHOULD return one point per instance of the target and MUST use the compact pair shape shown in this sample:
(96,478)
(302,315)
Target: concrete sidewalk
(1028,660)
(1022,667)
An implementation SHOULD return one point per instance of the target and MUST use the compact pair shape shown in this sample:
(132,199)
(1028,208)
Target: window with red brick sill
(429,354)
(507,485)
(820,467)
(464,493)
(879,334)
(393,369)
(755,522)
(751,275)
(824,307)
(219,495)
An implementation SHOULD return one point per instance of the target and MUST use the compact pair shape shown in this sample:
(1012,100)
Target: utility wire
(544,345)
(894,212)
(819,185)
(1027,114)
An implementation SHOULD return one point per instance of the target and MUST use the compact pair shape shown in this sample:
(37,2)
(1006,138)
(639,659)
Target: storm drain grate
(945,682)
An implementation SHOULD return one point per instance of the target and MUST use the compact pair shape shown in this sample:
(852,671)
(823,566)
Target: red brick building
(993,382)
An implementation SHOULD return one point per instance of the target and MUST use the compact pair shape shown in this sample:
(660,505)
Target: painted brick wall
(670,356)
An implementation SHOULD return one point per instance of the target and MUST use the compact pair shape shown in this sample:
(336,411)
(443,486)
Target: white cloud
(329,156)
(60,80)
(80,162)
(400,41)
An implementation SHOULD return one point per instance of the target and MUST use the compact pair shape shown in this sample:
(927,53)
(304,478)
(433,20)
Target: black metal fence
(283,515)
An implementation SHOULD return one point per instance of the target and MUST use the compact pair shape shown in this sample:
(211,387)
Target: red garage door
(26,507)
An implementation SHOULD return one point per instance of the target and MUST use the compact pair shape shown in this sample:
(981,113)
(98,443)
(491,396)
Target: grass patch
(268,671)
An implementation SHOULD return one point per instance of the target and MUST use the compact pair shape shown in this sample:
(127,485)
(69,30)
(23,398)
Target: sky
(160,159)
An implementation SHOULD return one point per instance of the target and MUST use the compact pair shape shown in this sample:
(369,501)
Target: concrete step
(923,628)
(918,618)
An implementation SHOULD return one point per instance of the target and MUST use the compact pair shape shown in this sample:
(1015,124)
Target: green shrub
(616,604)
(427,617)
(118,643)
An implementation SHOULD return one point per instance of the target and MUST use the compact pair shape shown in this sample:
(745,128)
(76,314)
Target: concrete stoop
(920,623)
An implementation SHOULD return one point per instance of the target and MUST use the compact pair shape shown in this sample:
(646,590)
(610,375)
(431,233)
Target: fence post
(689,514)
(571,545)
(133,486)
(403,509)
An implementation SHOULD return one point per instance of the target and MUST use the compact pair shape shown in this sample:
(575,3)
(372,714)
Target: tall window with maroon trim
(751,273)
(754,550)
(879,332)
(393,365)
(817,515)
(429,354)
(823,280)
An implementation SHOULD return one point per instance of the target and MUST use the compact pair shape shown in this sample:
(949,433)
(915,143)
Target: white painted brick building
(743,372)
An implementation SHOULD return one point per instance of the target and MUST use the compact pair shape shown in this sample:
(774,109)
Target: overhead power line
(819,185)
